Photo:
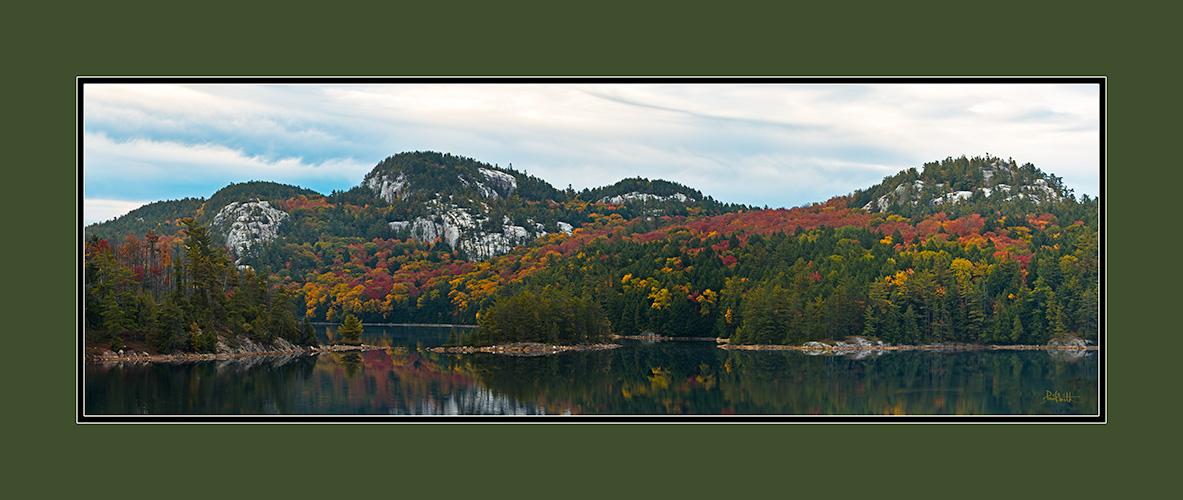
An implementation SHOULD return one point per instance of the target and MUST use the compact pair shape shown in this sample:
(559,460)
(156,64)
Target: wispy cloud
(99,210)
(780,145)
(144,168)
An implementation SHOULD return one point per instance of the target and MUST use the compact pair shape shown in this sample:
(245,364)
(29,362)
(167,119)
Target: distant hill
(961,184)
(159,217)
(642,190)
(163,217)
(475,208)
(251,191)
(482,210)
(971,250)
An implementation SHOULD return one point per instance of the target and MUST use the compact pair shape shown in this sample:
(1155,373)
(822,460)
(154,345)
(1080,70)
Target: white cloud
(111,165)
(98,210)
(783,145)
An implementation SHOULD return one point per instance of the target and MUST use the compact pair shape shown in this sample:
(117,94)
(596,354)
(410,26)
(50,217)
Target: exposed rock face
(638,196)
(913,193)
(493,184)
(387,187)
(459,228)
(1068,342)
(466,228)
(244,345)
(505,182)
(244,224)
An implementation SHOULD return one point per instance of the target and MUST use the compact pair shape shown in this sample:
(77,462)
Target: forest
(984,271)
(180,294)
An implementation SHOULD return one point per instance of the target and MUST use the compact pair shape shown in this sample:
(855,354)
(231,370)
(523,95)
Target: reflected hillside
(681,379)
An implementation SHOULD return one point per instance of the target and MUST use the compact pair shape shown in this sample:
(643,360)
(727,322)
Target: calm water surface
(663,378)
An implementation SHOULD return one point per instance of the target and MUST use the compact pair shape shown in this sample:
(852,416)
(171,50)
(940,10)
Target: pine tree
(1016,333)
(309,332)
(350,329)
(911,331)
(112,316)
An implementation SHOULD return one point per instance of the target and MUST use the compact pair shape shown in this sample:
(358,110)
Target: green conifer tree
(350,329)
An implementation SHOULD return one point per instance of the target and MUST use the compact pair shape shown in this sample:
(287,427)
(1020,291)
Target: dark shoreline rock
(931,347)
(523,349)
(238,347)
(659,338)
(858,344)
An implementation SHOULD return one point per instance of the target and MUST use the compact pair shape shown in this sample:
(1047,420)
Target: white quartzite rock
(386,187)
(457,227)
(244,224)
(637,196)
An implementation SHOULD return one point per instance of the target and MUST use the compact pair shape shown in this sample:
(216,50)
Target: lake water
(662,378)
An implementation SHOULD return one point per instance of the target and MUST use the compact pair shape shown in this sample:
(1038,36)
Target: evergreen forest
(982,270)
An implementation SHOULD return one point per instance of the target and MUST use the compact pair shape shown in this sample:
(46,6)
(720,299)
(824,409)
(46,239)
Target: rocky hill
(246,224)
(961,181)
(1015,254)
(460,201)
(482,210)
(477,209)
(240,214)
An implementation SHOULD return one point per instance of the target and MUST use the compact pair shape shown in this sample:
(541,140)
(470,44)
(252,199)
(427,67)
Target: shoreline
(145,357)
(661,338)
(432,325)
(769,347)
(523,349)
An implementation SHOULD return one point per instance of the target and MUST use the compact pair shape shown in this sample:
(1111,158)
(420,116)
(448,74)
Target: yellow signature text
(1057,397)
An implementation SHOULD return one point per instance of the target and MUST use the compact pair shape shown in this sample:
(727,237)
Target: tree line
(179,295)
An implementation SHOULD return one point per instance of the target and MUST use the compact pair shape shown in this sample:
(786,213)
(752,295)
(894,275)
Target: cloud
(269,122)
(148,169)
(96,210)
(775,144)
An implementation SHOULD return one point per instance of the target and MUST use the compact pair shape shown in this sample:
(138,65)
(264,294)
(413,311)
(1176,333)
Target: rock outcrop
(918,192)
(502,181)
(460,198)
(643,197)
(231,349)
(246,224)
(1071,342)
(386,186)
(461,229)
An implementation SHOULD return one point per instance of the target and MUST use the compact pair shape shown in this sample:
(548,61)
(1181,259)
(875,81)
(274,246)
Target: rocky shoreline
(656,338)
(746,347)
(238,347)
(524,349)
(855,344)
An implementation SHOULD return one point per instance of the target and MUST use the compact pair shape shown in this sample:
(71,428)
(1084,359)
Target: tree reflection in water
(664,378)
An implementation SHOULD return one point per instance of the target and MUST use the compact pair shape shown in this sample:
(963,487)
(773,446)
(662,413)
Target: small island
(523,349)
(534,324)
(856,343)
(279,349)
(648,336)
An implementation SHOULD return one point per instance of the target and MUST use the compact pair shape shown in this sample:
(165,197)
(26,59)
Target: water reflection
(664,378)
(351,362)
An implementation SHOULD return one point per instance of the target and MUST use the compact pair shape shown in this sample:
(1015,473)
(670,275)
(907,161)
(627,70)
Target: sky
(773,144)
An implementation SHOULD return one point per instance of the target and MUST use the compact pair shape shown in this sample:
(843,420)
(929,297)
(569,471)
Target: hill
(655,256)
(163,217)
(159,217)
(962,185)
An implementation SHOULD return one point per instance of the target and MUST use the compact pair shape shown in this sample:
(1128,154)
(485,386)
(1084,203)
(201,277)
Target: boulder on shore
(1073,342)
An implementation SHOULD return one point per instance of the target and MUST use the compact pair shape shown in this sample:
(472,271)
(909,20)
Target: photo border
(1099,417)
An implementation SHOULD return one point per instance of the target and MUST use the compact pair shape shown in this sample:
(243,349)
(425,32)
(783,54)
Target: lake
(639,378)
